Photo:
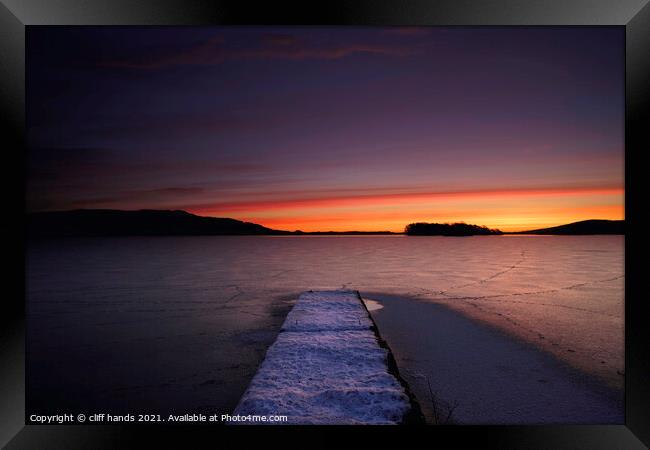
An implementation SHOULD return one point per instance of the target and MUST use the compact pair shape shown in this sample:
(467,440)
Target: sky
(330,128)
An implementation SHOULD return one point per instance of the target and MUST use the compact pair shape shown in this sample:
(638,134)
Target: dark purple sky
(328,127)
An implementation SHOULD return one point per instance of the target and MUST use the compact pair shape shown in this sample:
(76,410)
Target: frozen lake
(180,324)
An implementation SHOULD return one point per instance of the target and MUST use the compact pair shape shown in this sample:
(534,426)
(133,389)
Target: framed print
(379,219)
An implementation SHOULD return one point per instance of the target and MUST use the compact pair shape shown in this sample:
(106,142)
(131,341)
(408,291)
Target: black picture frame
(16,15)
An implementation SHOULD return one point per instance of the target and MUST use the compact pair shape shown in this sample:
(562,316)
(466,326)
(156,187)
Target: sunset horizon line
(503,228)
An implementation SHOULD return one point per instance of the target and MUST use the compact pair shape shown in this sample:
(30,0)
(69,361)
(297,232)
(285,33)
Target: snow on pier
(326,367)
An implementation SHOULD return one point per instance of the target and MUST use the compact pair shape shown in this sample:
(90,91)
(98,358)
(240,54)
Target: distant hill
(110,222)
(584,227)
(150,222)
(447,229)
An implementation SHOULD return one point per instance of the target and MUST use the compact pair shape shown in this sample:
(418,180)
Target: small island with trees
(448,229)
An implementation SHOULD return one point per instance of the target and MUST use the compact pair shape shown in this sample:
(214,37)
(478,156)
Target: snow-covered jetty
(327,366)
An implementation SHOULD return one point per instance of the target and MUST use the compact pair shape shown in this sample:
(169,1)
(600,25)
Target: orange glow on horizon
(507,210)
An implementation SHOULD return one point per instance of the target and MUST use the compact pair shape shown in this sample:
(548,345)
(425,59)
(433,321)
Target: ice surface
(483,376)
(181,324)
(326,367)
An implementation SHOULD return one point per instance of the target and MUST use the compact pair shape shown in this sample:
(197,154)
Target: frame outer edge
(12,312)
(637,357)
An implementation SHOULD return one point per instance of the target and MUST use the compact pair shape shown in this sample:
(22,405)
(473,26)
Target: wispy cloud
(208,52)
(401,198)
(215,51)
(141,197)
(279,39)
